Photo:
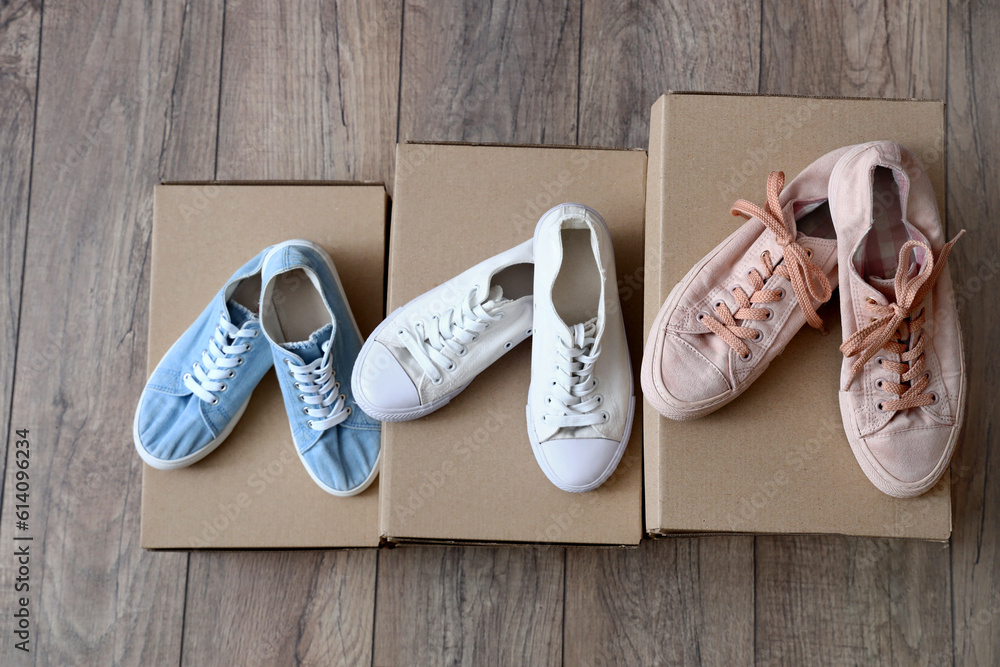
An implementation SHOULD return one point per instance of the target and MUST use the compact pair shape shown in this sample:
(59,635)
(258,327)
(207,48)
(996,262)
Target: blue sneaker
(315,341)
(200,388)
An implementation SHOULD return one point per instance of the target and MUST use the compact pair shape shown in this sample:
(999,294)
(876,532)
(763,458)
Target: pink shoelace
(807,279)
(892,328)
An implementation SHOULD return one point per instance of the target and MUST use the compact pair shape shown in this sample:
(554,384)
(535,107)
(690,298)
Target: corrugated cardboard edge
(392,544)
(652,300)
(795,97)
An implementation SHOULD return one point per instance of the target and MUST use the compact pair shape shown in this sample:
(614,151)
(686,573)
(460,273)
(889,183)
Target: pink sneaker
(902,394)
(739,306)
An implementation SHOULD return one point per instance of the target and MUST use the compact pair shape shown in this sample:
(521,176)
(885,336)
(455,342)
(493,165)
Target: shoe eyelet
(545,418)
(194,365)
(399,332)
(934,398)
(224,387)
(305,410)
(529,332)
(732,290)
(748,356)
(461,353)
(232,374)
(249,347)
(451,367)
(765,253)
(809,253)
(770,315)
(342,397)
(553,383)
(870,301)
(215,401)
(302,397)
(336,385)
(718,303)
(781,293)
(508,345)
(750,272)
(239,361)
(499,316)
(605,416)
(600,399)
(878,383)
(758,335)
(927,376)
(437,382)
(187,375)
(879,407)
(310,423)
(548,400)
(349,411)
(879,360)
(701,316)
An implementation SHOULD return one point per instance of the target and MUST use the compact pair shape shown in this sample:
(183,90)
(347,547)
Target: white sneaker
(580,401)
(429,350)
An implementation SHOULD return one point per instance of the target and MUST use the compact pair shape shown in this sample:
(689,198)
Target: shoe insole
(247,293)
(887,234)
(576,294)
(516,281)
(299,306)
(817,223)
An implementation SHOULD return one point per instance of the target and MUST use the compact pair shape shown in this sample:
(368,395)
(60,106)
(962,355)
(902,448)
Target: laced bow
(895,319)
(219,359)
(573,401)
(317,382)
(453,330)
(807,279)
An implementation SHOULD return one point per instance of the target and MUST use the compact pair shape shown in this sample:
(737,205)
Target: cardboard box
(253,492)
(466,473)
(775,460)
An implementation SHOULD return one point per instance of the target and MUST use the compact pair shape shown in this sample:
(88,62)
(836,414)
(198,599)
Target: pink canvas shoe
(902,394)
(738,307)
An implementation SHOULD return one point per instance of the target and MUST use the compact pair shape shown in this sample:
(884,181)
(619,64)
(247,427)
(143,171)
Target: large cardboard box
(466,473)
(253,492)
(775,460)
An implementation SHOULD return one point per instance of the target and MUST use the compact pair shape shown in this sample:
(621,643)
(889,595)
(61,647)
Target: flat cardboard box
(776,459)
(253,492)
(466,473)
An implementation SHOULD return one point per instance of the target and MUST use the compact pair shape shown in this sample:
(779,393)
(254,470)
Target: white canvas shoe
(429,350)
(580,402)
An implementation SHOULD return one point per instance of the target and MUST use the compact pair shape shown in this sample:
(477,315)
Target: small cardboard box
(466,473)
(775,460)
(253,492)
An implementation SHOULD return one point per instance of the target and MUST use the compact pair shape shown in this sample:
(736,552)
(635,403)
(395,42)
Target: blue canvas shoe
(315,341)
(200,388)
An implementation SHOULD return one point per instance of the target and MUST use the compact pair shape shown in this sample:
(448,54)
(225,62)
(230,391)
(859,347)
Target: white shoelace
(454,330)
(317,382)
(573,401)
(219,360)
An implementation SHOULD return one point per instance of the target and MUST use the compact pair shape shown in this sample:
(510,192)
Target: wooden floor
(100,100)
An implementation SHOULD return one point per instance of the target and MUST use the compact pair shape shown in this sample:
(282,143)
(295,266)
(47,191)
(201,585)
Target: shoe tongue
(239,314)
(887,286)
(495,297)
(311,349)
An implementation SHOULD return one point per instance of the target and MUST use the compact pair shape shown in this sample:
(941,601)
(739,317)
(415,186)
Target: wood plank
(107,73)
(308,92)
(974,205)
(672,601)
(469,606)
(495,72)
(835,599)
(19,46)
(635,51)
